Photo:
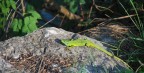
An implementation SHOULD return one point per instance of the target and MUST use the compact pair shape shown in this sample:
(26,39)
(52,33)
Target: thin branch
(23,7)
(117,18)
(106,21)
(91,8)
(48,22)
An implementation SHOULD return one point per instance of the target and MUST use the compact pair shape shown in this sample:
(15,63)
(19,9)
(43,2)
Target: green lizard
(88,43)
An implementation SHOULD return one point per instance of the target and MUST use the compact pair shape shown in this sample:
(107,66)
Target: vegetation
(19,17)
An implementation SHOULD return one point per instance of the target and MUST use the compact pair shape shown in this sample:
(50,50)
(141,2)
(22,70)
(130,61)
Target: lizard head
(65,42)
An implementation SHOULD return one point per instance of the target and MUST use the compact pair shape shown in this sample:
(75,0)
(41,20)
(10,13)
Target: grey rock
(7,67)
(86,59)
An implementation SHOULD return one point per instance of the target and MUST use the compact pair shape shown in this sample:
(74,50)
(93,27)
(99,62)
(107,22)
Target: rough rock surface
(46,43)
